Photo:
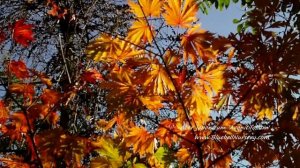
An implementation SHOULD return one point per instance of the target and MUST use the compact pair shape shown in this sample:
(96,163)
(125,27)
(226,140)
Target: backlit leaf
(211,78)
(153,103)
(22,33)
(19,69)
(140,32)
(159,80)
(141,140)
(107,148)
(179,13)
(91,76)
(196,44)
(3,112)
(145,8)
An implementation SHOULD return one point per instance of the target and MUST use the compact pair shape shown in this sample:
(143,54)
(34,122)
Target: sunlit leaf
(24,89)
(179,13)
(140,31)
(159,80)
(107,148)
(196,45)
(19,69)
(211,78)
(91,76)
(3,112)
(145,8)
(153,103)
(141,140)
(50,96)
(109,49)
(22,33)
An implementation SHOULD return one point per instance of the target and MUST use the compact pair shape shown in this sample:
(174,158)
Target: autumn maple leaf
(140,31)
(145,8)
(91,76)
(19,69)
(142,140)
(176,15)
(3,112)
(22,33)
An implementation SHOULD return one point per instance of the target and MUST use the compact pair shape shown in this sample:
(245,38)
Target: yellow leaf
(178,15)
(159,80)
(111,50)
(106,148)
(145,8)
(211,78)
(140,32)
(199,104)
(264,111)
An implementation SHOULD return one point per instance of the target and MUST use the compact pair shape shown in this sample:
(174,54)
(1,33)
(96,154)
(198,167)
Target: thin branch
(64,59)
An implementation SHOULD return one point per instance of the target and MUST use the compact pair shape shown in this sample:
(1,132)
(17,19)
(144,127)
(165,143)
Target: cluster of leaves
(168,87)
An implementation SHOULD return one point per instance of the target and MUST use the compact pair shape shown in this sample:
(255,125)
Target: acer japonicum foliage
(143,85)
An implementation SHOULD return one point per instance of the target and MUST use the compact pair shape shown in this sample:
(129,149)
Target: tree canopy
(140,83)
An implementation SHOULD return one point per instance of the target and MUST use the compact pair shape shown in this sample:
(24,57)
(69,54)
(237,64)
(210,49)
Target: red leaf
(19,69)
(24,89)
(91,76)
(2,37)
(22,33)
(50,96)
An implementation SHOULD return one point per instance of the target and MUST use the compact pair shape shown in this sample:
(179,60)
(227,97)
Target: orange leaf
(184,156)
(153,103)
(145,8)
(19,69)
(142,140)
(195,44)
(176,15)
(211,78)
(167,132)
(3,112)
(50,96)
(26,89)
(38,110)
(22,33)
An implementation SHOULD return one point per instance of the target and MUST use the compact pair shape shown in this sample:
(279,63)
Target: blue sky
(220,22)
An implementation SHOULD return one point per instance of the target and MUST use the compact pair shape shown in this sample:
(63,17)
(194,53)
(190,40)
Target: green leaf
(226,2)
(162,156)
(240,28)
(106,148)
(236,21)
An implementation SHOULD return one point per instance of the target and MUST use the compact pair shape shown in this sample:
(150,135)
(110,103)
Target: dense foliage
(141,84)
